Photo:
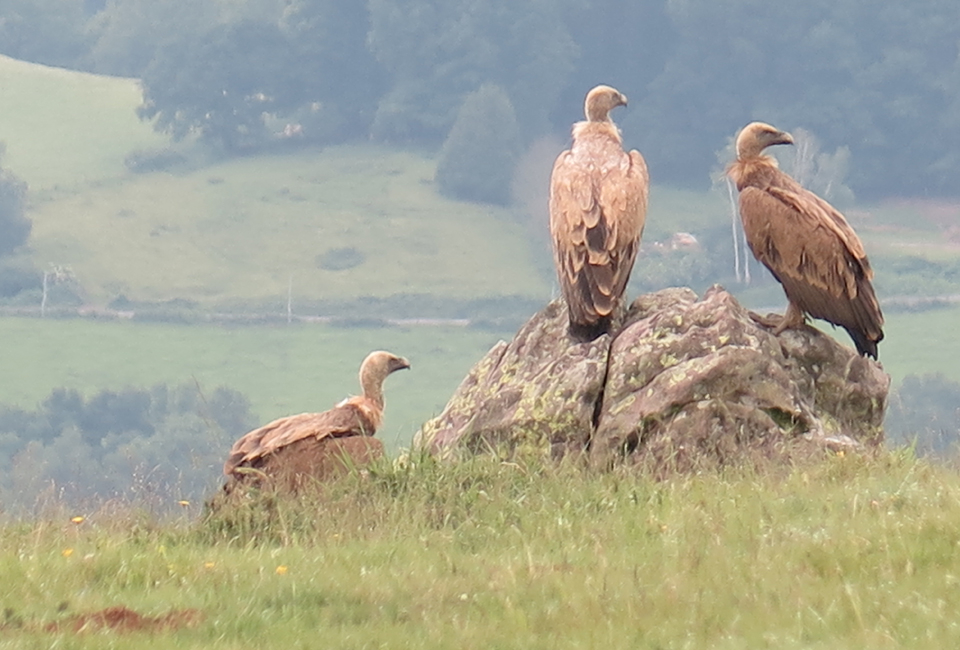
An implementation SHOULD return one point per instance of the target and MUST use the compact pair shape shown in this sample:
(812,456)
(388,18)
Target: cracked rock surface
(686,381)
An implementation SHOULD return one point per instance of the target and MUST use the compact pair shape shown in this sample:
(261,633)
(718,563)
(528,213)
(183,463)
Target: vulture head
(600,101)
(757,136)
(375,369)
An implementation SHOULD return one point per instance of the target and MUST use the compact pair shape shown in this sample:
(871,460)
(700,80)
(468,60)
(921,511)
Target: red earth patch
(122,619)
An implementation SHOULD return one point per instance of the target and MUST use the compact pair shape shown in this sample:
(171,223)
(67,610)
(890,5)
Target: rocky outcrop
(541,387)
(686,381)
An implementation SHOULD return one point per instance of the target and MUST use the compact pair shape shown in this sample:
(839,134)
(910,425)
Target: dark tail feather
(588,332)
(865,346)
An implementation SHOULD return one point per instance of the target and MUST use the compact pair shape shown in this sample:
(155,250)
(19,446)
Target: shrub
(476,161)
(143,161)
(340,259)
(14,226)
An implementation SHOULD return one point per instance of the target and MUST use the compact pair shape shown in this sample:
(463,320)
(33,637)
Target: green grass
(922,342)
(285,370)
(241,230)
(289,369)
(850,553)
(244,229)
(241,233)
(282,370)
(67,130)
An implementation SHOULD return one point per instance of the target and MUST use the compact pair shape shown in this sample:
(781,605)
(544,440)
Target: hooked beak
(398,363)
(782,138)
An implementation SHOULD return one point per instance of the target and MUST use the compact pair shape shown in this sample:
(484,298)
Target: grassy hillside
(329,224)
(67,130)
(239,230)
(242,230)
(851,553)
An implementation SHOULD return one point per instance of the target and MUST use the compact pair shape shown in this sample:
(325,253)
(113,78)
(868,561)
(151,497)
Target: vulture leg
(792,319)
(770,321)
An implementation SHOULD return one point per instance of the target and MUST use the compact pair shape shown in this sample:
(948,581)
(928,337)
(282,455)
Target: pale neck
(372,386)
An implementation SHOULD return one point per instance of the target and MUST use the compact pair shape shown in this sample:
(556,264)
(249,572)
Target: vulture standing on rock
(598,204)
(298,444)
(806,243)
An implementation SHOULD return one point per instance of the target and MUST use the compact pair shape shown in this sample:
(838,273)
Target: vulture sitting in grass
(598,204)
(315,445)
(806,243)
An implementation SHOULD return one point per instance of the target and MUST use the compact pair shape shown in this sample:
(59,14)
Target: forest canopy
(881,80)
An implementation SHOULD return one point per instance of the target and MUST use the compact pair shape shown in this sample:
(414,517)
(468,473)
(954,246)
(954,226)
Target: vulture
(598,204)
(806,243)
(290,444)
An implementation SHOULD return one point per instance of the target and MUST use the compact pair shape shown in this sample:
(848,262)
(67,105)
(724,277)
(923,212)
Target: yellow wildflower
(67,552)
(77,520)
(282,570)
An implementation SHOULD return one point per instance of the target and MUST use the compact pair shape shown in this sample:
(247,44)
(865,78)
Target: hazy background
(210,211)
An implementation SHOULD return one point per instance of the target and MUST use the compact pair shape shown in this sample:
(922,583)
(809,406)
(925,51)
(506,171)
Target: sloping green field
(68,130)
(322,224)
(242,229)
(337,223)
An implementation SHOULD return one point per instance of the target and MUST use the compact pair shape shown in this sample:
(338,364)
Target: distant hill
(340,223)
(346,224)
(65,130)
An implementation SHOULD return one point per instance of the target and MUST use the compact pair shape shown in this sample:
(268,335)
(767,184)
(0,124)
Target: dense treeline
(925,413)
(882,80)
(159,445)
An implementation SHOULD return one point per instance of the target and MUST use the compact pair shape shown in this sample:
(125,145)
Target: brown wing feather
(343,420)
(597,212)
(814,254)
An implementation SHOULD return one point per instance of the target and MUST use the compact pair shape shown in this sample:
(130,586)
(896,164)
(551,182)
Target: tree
(14,225)
(163,443)
(339,79)
(128,33)
(622,43)
(925,410)
(438,52)
(477,159)
(43,31)
(221,85)
(884,81)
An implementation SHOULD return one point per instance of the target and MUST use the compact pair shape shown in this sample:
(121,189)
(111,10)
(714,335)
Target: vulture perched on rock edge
(598,204)
(806,243)
(355,416)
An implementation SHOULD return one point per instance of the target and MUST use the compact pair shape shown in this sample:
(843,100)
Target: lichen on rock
(685,381)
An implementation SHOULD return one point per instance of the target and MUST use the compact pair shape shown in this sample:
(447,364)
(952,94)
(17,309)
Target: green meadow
(281,369)
(66,130)
(289,369)
(848,552)
(845,553)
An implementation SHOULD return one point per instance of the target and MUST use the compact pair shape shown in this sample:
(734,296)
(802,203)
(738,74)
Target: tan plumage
(805,242)
(598,204)
(356,416)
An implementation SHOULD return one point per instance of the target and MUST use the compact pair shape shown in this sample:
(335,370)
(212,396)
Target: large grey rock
(541,388)
(689,381)
(698,380)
